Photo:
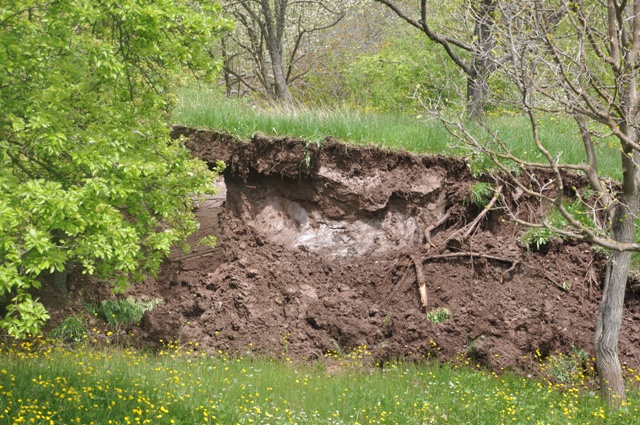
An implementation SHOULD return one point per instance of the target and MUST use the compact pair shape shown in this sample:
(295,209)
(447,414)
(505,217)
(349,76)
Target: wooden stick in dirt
(422,282)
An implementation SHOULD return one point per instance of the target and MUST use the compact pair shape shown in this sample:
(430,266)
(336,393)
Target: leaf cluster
(481,193)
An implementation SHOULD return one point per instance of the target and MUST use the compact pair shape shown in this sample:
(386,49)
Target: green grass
(208,109)
(45,385)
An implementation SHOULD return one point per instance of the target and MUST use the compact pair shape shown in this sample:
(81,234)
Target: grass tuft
(439,315)
(72,329)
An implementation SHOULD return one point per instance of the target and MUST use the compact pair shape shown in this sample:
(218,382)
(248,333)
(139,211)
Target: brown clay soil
(320,250)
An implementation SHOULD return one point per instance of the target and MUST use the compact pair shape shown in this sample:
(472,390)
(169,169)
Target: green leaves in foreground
(88,173)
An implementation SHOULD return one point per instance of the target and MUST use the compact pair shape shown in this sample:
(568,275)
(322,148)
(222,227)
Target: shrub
(123,311)
(72,329)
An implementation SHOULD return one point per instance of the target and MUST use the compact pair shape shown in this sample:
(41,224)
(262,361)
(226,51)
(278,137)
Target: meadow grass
(420,134)
(53,384)
(203,108)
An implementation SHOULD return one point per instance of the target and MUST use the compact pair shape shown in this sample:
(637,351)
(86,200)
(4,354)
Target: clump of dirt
(325,249)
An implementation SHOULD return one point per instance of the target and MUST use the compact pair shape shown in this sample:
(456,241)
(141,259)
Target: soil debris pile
(327,249)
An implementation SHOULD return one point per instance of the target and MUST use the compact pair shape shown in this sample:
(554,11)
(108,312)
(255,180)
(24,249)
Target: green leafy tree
(88,172)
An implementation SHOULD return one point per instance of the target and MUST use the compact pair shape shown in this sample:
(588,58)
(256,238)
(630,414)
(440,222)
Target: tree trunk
(482,64)
(608,329)
(282,93)
(225,67)
(274,21)
(60,282)
(609,320)
(59,278)
(477,90)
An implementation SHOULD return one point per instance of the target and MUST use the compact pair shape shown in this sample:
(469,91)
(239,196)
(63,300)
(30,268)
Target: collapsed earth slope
(324,249)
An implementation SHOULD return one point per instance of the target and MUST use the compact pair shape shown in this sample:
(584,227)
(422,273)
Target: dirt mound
(320,250)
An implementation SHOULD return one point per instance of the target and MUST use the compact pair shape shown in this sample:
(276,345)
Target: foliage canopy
(88,172)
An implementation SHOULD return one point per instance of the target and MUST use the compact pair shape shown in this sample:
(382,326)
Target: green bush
(88,172)
(72,329)
(123,311)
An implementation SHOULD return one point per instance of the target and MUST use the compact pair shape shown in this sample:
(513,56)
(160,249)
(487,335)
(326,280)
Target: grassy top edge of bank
(421,134)
(240,118)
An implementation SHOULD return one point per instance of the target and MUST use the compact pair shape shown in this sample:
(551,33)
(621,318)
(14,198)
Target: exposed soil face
(317,252)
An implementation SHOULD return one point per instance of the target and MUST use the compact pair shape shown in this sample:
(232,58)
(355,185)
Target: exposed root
(549,278)
(428,230)
(592,279)
(404,269)
(484,212)
(475,255)
(422,282)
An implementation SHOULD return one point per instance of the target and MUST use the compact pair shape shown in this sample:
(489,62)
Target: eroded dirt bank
(317,251)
